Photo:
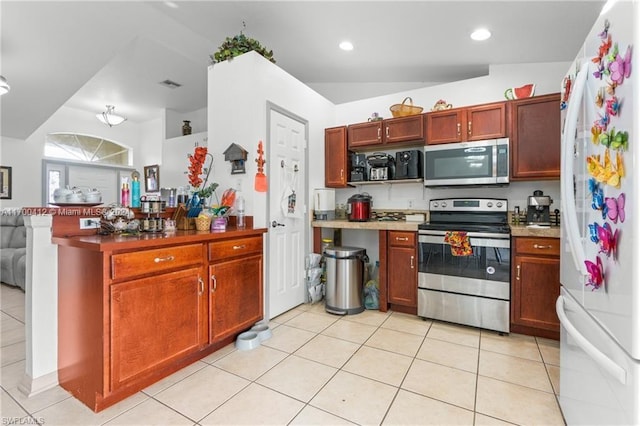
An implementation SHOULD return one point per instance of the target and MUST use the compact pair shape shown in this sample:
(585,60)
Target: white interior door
(287,213)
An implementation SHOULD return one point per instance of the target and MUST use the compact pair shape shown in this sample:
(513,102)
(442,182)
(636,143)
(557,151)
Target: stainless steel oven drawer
(492,314)
(463,285)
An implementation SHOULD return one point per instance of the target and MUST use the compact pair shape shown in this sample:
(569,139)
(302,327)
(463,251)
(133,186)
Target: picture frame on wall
(5,183)
(152,178)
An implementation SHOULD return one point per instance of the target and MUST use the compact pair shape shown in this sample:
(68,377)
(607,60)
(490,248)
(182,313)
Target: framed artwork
(152,178)
(5,183)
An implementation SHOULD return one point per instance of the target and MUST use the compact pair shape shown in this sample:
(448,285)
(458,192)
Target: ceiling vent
(170,84)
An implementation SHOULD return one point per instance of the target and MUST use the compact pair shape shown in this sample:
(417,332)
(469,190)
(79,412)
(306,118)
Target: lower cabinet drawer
(538,246)
(402,239)
(237,247)
(128,265)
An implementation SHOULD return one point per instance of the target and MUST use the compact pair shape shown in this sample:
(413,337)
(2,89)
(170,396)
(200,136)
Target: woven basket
(203,223)
(404,109)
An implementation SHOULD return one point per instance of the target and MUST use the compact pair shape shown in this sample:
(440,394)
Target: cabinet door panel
(535,138)
(235,301)
(365,134)
(536,286)
(336,159)
(486,122)
(445,126)
(154,321)
(404,129)
(402,276)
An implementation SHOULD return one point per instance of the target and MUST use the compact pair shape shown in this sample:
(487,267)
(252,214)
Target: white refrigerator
(599,304)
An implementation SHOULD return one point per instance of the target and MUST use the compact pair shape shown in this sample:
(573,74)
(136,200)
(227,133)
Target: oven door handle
(474,241)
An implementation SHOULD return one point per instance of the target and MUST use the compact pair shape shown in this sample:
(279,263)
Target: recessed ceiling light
(346,45)
(481,34)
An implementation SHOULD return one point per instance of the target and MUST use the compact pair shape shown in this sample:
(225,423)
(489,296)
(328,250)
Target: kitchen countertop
(401,225)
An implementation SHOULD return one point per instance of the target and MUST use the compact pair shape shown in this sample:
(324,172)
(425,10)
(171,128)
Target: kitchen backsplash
(414,196)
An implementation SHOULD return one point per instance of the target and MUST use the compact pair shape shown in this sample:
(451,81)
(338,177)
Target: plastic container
(344,273)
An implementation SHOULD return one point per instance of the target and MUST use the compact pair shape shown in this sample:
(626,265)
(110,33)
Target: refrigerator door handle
(601,359)
(568,196)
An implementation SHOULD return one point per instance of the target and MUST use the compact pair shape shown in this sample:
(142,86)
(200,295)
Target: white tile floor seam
(319,368)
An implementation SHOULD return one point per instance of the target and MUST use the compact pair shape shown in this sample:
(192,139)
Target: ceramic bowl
(263,331)
(247,341)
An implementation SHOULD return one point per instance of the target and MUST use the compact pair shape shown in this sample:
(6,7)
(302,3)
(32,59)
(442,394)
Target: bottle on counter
(239,207)
(125,199)
(135,192)
(172,199)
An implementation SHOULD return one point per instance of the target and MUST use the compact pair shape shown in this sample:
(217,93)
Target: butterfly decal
(615,208)
(593,232)
(612,139)
(596,273)
(601,70)
(605,172)
(600,97)
(611,87)
(595,134)
(620,67)
(608,240)
(597,195)
(613,106)
(602,122)
(605,31)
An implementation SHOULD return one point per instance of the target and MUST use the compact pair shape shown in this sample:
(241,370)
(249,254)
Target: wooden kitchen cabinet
(336,157)
(402,271)
(155,321)
(235,286)
(474,123)
(135,309)
(535,286)
(535,138)
(398,131)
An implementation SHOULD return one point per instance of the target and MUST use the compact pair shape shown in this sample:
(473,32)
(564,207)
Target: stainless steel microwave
(467,163)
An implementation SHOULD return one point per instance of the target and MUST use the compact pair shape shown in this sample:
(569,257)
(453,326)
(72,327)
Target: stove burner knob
(444,204)
(489,204)
(435,204)
(499,204)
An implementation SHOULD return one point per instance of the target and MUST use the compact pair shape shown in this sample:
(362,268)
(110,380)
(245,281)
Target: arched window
(84,161)
(85,148)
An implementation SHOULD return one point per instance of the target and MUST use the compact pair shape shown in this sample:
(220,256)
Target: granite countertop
(403,225)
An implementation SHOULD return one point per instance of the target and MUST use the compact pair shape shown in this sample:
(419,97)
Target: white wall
(25,156)
(238,94)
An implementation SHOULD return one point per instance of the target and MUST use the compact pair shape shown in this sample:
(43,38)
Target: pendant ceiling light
(4,86)
(110,118)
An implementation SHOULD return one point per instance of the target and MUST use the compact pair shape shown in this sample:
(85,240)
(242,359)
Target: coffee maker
(538,209)
(382,166)
(358,168)
(409,164)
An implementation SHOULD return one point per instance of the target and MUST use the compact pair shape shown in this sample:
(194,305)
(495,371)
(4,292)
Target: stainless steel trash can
(345,274)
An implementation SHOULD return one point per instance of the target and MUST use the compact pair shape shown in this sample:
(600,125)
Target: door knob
(275,224)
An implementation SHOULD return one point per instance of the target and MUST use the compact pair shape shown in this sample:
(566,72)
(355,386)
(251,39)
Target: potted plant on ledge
(237,45)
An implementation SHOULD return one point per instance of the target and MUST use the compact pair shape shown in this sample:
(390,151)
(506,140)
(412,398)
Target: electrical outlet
(89,222)
(410,204)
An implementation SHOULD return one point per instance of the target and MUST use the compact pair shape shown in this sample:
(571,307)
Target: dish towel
(459,241)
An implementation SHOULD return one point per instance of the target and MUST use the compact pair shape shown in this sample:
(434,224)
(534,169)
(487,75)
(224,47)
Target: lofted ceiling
(85,55)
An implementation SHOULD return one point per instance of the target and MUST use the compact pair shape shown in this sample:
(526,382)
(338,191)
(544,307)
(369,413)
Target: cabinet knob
(379,133)
(215,283)
(387,132)
(239,247)
(469,128)
(518,272)
(412,259)
(163,259)
(458,128)
(402,238)
(201,285)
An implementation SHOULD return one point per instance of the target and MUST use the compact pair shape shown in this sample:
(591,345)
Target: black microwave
(467,163)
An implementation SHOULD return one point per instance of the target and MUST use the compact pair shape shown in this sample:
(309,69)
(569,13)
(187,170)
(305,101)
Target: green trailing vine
(239,44)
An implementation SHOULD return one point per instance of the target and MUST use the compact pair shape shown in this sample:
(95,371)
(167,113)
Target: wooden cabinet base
(534,331)
(74,379)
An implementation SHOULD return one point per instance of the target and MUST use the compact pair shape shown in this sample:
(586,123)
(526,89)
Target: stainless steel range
(464,263)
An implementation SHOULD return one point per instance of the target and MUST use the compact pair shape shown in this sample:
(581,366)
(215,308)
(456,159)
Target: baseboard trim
(30,386)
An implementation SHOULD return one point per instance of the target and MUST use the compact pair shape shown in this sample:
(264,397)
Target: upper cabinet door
(486,122)
(365,134)
(336,159)
(404,129)
(535,137)
(445,126)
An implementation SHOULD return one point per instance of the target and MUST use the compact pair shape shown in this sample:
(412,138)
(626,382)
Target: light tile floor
(322,369)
